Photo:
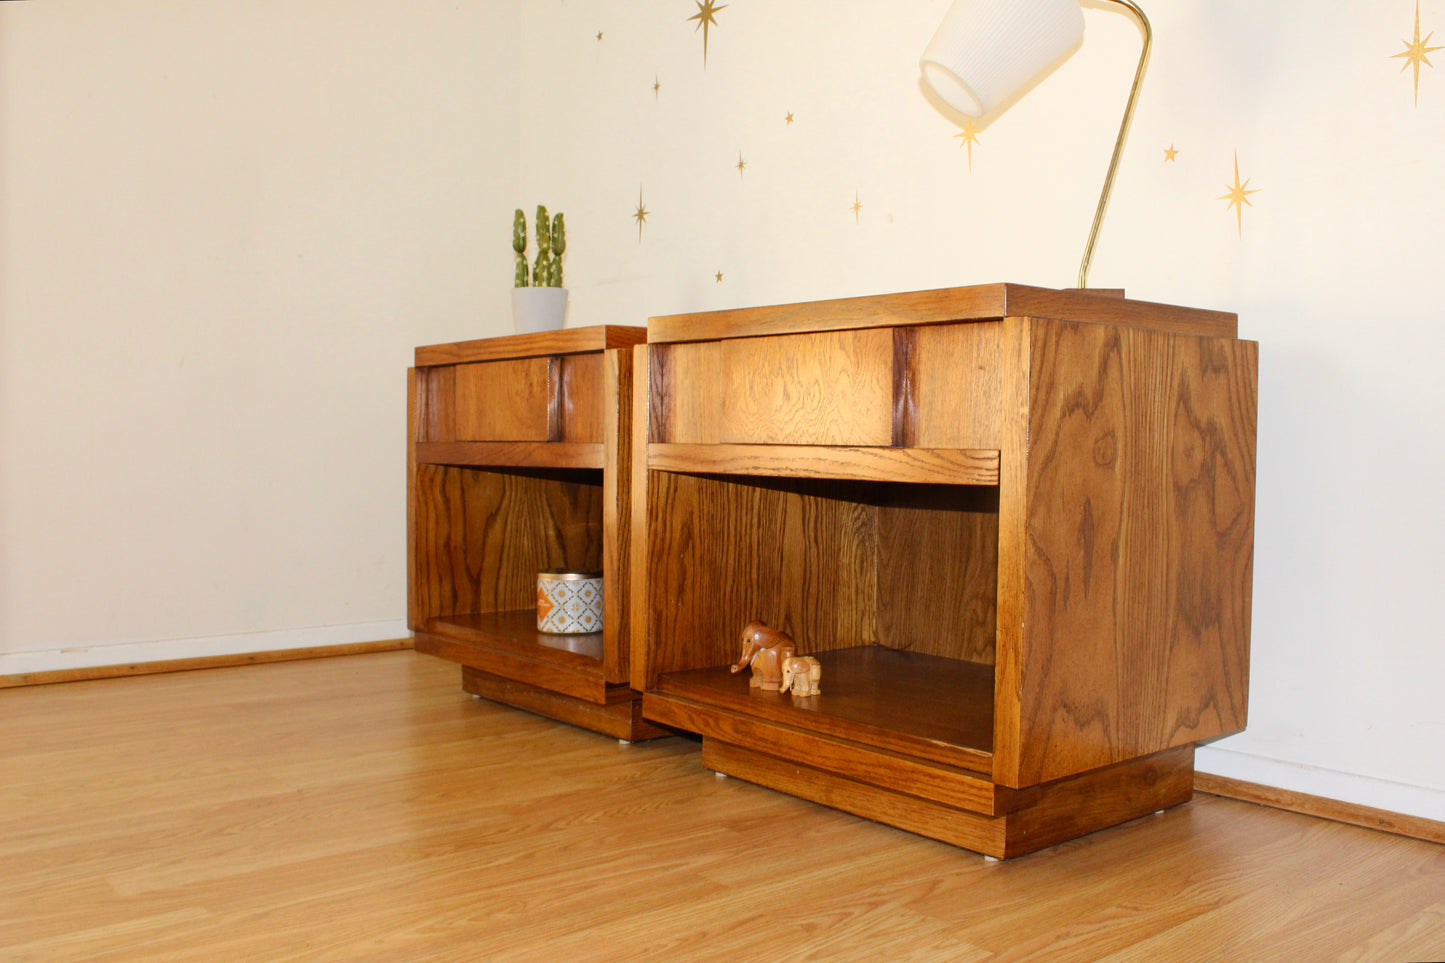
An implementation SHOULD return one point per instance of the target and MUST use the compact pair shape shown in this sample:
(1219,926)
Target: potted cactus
(539,301)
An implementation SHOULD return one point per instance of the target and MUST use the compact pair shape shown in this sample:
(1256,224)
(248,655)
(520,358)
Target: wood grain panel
(415,612)
(618,718)
(1065,810)
(832,388)
(581,397)
(539,344)
(938,571)
(482,536)
(944,784)
(503,400)
(615,397)
(689,393)
(639,594)
(1012,549)
(799,555)
(954,377)
(1082,804)
(1140,534)
(976,302)
(584,683)
(434,415)
(515,632)
(944,466)
(917,705)
(983,834)
(513,454)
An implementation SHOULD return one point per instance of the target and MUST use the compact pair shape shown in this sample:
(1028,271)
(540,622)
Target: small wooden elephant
(764,649)
(802,673)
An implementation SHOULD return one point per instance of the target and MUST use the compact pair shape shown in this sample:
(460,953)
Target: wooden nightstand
(519,460)
(1014,524)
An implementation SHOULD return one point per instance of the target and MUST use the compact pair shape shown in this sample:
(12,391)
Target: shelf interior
(481,536)
(835,564)
(932,707)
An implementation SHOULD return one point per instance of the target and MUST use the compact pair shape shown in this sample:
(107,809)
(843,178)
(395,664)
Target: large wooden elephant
(764,649)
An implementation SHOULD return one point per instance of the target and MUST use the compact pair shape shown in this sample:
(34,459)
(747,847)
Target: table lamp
(988,52)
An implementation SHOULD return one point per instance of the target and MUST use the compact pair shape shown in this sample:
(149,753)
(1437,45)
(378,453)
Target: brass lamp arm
(1123,135)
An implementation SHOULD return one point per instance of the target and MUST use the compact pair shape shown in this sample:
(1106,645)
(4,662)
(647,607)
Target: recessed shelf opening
(893,586)
(482,536)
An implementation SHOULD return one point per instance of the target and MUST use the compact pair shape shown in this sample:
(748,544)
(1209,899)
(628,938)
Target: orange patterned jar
(569,603)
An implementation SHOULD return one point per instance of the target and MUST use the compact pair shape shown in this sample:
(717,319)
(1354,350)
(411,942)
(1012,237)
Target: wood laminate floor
(365,808)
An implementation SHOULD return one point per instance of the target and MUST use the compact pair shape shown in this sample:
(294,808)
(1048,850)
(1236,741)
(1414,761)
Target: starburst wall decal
(640,215)
(1238,196)
(967,138)
(1416,53)
(706,17)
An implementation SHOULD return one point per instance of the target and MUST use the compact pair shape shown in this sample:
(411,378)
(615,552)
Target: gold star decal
(706,17)
(656,86)
(968,137)
(599,36)
(1170,153)
(857,206)
(640,215)
(1414,53)
(1238,196)
(740,165)
(789,118)
(719,277)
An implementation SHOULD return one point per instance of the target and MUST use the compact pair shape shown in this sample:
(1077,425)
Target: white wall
(1336,273)
(224,225)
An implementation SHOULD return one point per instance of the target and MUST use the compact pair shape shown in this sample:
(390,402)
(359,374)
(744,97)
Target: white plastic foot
(720,775)
(990,859)
(624,742)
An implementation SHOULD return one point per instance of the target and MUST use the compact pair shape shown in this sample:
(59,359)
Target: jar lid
(567,575)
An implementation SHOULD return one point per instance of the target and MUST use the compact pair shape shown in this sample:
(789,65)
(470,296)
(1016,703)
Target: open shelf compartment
(892,586)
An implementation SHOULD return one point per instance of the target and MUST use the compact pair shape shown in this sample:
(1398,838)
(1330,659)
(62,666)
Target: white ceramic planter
(538,309)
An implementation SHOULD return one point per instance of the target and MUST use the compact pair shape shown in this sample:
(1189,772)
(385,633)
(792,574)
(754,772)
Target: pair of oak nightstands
(1015,525)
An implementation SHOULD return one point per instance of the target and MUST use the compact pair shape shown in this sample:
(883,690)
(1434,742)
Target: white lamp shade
(985,51)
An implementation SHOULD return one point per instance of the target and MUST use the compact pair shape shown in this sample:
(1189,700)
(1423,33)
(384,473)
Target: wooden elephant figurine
(764,649)
(802,673)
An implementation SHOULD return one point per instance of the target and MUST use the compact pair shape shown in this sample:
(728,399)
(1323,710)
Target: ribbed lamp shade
(986,50)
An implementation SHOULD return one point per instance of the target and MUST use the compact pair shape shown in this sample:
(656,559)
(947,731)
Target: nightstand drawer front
(581,394)
(503,400)
(831,388)
(953,386)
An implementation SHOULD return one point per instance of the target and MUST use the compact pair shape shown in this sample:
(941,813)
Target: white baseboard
(161,650)
(1395,797)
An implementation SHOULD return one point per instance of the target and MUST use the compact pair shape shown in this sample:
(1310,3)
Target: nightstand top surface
(979,302)
(564,341)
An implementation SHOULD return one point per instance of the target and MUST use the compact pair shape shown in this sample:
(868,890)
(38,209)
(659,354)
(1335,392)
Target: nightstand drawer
(829,388)
(918,386)
(503,400)
(559,398)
